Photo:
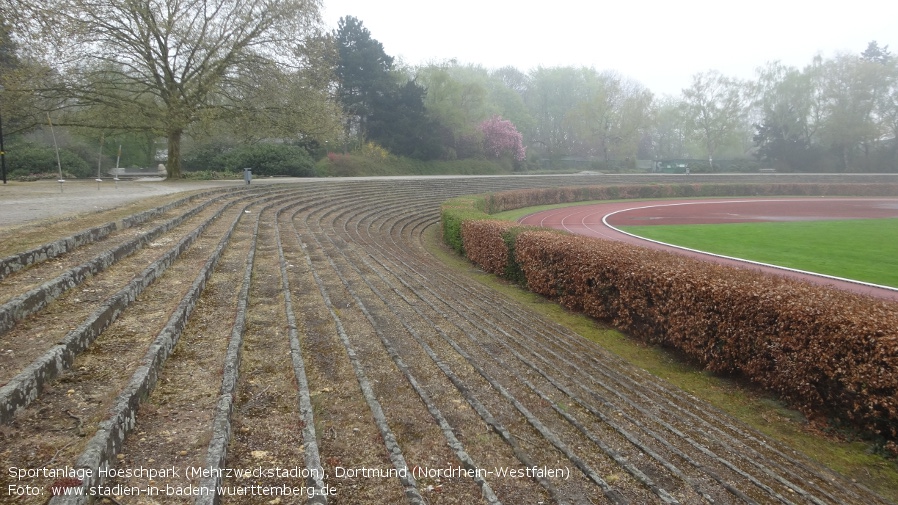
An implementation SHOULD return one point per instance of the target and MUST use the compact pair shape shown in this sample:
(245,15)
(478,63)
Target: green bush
(26,158)
(456,211)
(264,159)
(206,158)
(210,175)
(513,271)
(271,159)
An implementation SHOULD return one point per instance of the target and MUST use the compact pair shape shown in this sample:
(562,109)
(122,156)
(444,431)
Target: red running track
(601,220)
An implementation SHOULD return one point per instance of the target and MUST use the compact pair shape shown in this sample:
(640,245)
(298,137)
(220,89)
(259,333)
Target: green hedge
(24,160)
(264,159)
(455,212)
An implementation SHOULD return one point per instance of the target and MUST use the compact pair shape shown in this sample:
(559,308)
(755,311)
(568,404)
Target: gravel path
(27,202)
(294,343)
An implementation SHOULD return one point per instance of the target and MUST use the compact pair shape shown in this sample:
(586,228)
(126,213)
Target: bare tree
(165,65)
(717,106)
(612,117)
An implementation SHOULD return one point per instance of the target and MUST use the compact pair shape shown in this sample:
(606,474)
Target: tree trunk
(710,155)
(173,166)
(150,152)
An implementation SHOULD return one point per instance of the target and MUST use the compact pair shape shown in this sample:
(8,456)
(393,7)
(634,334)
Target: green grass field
(864,250)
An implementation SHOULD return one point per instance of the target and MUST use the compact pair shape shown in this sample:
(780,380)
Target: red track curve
(600,220)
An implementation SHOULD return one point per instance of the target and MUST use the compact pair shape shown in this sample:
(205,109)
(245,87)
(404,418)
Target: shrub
(513,270)
(210,175)
(491,245)
(206,158)
(264,159)
(350,165)
(830,353)
(25,159)
(485,244)
(455,212)
(373,151)
(271,159)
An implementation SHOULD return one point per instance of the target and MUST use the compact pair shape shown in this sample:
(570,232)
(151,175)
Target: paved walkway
(23,202)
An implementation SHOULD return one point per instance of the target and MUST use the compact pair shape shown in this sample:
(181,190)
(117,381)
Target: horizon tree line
(185,73)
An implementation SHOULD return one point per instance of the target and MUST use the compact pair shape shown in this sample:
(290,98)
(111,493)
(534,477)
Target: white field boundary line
(733,258)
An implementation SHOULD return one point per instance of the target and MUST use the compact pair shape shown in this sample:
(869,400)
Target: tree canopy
(379,106)
(500,136)
(168,65)
(364,71)
(236,73)
(837,114)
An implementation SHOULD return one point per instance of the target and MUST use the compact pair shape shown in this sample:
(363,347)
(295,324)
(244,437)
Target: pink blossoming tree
(501,136)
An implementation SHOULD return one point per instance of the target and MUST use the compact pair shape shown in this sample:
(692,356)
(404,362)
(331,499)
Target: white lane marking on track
(563,225)
(610,227)
(602,230)
(550,214)
(743,260)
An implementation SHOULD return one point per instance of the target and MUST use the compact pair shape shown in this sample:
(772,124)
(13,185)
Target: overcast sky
(661,44)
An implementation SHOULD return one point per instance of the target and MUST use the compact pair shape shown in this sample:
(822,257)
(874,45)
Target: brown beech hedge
(830,353)
(516,199)
(485,244)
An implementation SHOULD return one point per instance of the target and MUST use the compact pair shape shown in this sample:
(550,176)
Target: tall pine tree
(364,71)
(378,107)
